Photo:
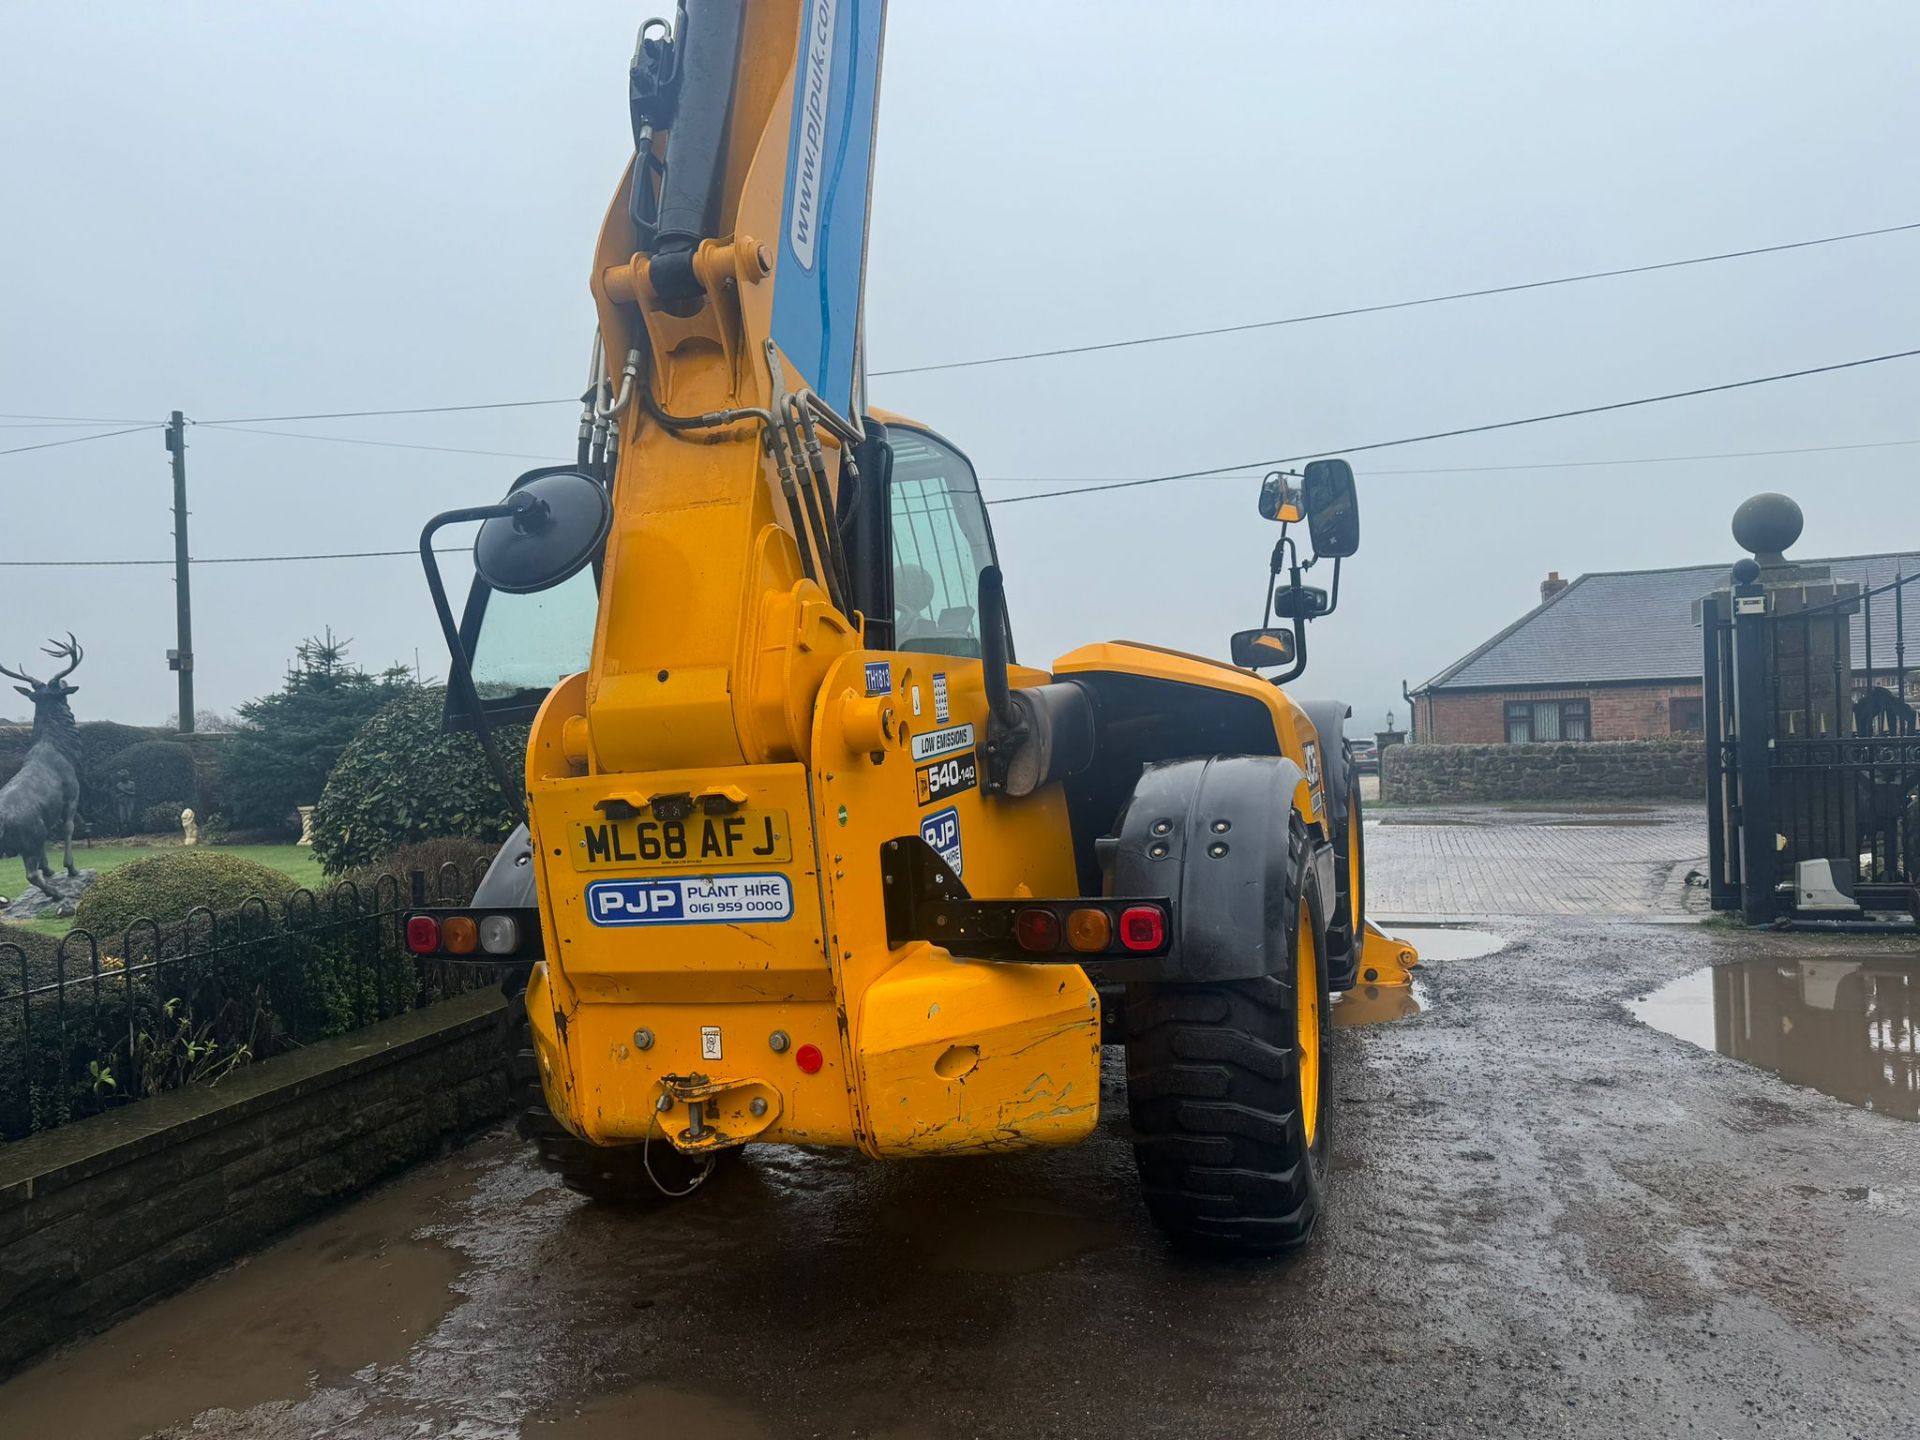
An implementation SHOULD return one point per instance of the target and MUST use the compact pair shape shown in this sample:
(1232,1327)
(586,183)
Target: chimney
(1551,586)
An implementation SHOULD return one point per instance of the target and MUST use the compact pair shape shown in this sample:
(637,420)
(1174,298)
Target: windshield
(941,543)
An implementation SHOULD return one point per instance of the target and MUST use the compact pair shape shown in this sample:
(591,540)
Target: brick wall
(103,1215)
(1619,712)
(1568,770)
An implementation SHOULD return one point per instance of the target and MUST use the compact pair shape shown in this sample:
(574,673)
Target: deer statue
(39,802)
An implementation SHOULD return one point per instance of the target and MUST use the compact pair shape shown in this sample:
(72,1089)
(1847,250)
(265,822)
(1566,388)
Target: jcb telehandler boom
(808,858)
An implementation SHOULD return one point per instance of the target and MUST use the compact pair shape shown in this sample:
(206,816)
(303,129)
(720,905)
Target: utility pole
(181,659)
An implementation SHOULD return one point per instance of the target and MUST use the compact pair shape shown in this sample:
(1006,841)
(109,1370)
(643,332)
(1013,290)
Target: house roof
(1626,625)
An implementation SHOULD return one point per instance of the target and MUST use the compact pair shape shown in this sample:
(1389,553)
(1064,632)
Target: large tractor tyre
(610,1174)
(1227,1086)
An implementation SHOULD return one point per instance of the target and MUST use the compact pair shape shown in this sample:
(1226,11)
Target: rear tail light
(1037,930)
(1143,927)
(459,935)
(499,935)
(1089,930)
(423,934)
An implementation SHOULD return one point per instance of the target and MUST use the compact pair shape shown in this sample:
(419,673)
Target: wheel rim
(1356,869)
(1306,990)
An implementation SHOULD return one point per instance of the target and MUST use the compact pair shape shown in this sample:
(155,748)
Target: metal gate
(1813,751)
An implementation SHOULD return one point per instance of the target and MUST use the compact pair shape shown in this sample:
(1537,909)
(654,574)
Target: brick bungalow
(1610,656)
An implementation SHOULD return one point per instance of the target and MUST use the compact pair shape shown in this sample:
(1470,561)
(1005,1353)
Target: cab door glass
(523,645)
(941,543)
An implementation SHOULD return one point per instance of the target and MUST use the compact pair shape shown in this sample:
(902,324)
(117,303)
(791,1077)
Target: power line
(222,559)
(415,410)
(81,419)
(1248,471)
(1462,430)
(384,444)
(76,439)
(1395,304)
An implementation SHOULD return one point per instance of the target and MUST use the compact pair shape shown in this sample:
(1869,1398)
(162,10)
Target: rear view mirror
(1279,500)
(1261,649)
(1333,508)
(552,524)
(1300,602)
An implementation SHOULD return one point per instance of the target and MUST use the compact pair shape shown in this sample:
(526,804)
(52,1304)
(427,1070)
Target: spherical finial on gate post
(1767,524)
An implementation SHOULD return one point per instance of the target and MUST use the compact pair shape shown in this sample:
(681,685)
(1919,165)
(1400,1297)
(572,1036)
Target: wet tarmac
(1545,1218)
(1847,1023)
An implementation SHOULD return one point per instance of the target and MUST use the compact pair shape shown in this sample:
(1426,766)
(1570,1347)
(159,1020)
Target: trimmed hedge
(403,780)
(166,886)
(469,859)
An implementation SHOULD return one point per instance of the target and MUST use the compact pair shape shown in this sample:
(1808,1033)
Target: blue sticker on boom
(691,900)
(879,677)
(941,830)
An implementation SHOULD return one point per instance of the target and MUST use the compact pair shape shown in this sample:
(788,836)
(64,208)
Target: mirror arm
(1333,600)
(460,675)
(1299,666)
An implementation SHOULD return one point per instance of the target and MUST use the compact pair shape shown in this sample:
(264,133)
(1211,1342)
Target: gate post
(1723,891)
(1753,732)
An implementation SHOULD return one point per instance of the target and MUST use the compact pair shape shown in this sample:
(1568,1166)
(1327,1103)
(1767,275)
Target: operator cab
(935,539)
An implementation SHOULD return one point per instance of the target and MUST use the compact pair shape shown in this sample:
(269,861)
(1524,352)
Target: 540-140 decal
(952,776)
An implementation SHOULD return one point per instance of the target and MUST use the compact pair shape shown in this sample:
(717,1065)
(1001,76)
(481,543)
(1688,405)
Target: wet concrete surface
(1846,1022)
(1546,1219)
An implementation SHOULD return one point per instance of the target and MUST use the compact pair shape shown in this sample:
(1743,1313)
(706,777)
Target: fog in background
(261,210)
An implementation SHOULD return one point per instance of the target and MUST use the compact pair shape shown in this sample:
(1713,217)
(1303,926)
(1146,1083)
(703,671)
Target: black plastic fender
(1214,835)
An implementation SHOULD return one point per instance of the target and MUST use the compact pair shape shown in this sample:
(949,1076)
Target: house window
(1685,716)
(1529,721)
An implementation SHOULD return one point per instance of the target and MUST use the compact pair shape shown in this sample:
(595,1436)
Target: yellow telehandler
(808,858)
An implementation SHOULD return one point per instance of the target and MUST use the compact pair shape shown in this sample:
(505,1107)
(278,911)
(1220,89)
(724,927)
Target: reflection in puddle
(1847,1027)
(350,1290)
(1377,1004)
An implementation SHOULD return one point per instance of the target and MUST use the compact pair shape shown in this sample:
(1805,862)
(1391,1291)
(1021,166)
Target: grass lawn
(290,860)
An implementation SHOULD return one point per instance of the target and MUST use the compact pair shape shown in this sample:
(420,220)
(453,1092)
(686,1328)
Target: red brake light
(423,934)
(1143,927)
(1036,929)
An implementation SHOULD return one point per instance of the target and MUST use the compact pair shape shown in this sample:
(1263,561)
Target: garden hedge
(404,780)
(166,886)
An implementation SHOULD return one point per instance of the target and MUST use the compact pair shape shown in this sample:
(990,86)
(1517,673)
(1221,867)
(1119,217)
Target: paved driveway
(1490,861)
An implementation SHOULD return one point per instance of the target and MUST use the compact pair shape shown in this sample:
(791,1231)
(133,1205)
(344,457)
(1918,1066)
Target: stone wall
(103,1215)
(1426,774)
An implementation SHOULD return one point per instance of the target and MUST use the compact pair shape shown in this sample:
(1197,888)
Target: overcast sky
(242,210)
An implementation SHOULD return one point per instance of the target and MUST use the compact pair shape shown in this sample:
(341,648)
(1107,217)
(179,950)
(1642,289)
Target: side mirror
(546,531)
(1333,508)
(1279,500)
(1262,649)
(1300,602)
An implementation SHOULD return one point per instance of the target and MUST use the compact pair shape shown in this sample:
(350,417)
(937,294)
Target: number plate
(746,837)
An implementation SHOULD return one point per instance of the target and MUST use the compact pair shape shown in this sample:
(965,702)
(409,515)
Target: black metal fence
(90,1022)
(1813,751)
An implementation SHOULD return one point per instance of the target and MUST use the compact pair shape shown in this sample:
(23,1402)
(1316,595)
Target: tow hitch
(699,1115)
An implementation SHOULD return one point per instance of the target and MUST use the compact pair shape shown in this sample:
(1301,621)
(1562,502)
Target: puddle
(348,1291)
(1849,1027)
(1377,1005)
(999,1238)
(651,1410)
(1446,942)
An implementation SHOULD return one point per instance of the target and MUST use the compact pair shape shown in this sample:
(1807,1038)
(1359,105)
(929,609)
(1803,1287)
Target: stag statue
(39,802)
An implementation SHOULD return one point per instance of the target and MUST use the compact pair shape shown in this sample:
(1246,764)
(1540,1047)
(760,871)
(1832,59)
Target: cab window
(521,646)
(941,543)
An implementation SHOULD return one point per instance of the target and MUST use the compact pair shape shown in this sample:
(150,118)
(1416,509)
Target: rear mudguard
(1214,835)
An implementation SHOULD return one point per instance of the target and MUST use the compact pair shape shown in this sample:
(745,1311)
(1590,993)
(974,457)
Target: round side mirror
(556,525)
